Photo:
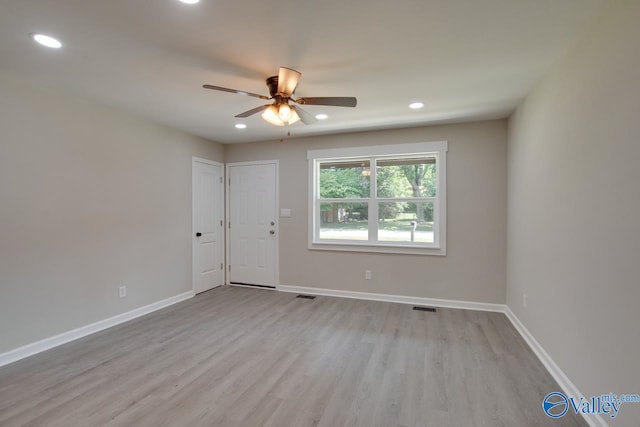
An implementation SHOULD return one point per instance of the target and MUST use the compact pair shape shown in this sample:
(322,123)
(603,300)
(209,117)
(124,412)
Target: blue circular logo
(555,404)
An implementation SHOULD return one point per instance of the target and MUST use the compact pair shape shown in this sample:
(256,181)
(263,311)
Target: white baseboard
(65,337)
(239,285)
(445,303)
(561,378)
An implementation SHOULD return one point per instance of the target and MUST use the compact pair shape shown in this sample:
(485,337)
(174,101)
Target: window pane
(405,222)
(340,180)
(406,177)
(344,221)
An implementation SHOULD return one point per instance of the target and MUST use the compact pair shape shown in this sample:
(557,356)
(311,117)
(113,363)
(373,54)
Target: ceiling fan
(281,89)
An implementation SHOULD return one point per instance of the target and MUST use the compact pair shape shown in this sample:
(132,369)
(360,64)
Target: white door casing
(253,223)
(208,224)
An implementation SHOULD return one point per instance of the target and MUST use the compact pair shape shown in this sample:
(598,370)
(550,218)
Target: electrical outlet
(524,300)
(123,291)
(367,274)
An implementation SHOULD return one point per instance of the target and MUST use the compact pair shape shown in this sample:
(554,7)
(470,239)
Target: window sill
(384,249)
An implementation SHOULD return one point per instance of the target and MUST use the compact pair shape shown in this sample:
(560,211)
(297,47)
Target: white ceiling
(465,59)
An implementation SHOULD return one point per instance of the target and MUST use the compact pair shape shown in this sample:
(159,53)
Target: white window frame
(436,149)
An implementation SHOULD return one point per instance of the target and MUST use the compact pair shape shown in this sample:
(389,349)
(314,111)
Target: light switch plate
(285,213)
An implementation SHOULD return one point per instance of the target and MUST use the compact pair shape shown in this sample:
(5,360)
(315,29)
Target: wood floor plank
(240,357)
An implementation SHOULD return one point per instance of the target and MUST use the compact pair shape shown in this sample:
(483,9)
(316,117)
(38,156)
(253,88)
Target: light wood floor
(248,357)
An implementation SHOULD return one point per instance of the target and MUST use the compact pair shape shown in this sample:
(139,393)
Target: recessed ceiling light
(321,116)
(416,105)
(189,1)
(241,126)
(46,40)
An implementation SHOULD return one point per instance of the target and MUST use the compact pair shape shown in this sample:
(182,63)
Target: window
(389,198)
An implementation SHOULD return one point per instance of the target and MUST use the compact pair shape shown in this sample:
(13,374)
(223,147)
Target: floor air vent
(431,309)
(306,296)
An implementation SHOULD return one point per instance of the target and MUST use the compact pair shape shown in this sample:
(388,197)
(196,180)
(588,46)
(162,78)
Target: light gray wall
(574,203)
(90,199)
(475,266)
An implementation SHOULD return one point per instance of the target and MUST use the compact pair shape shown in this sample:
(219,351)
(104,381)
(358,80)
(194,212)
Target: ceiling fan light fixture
(294,117)
(284,112)
(270,115)
(279,115)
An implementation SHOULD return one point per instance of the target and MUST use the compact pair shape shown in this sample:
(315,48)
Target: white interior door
(253,228)
(208,225)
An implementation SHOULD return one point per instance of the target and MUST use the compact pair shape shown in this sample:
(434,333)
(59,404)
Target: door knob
(198,234)
(272,232)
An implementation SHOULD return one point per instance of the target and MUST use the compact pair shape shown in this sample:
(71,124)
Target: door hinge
(229,224)
(229,180)
(221,267)
(220,223)
(229,267)
(220,180)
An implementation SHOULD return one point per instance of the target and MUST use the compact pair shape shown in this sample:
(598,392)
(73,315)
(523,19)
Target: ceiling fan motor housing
(272,83)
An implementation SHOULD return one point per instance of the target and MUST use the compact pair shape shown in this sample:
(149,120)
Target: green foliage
(391,210)
(422,179)
(358,211)
(427,212)
(343,183)
(393,181)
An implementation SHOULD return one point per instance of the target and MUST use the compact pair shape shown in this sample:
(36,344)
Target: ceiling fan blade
(336,101)
(253,111)
(306,118)
(288,80)
(239,92)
